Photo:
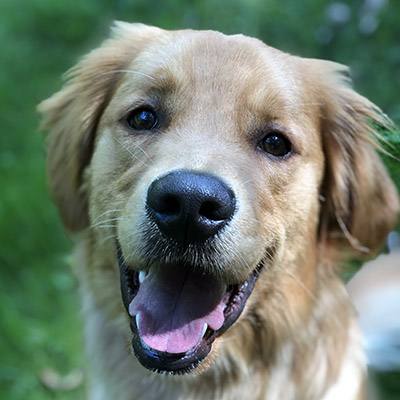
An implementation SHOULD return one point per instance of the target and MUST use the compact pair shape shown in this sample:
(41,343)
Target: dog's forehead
(208,66)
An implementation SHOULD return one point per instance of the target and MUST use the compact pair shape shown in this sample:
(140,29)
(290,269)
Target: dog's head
(217,167)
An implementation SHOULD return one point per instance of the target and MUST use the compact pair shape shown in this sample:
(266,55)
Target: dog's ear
(359,200)
(71,117)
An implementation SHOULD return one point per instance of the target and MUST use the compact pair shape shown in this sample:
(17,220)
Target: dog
(215,187)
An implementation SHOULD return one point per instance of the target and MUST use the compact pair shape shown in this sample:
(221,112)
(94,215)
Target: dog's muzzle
(177,309)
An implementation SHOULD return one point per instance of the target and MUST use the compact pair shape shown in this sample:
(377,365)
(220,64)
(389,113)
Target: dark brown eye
(276,144)
(143,119)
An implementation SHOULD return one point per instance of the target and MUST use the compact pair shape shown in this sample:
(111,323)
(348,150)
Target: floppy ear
(72,115)
(361,202)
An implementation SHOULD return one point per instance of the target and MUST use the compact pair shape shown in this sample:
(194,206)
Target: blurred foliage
(39,40)
(390,142)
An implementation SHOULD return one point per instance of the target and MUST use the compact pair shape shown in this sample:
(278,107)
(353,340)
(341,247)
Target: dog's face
(216,167)
(215,162)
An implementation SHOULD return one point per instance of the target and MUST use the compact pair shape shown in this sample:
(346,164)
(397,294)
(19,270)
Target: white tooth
(204,330)
(137,320)
(142,276)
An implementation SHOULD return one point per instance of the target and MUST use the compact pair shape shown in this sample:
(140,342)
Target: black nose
(190,207)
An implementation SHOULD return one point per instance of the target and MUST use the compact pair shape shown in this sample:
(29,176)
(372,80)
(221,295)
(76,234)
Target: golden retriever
(216,184)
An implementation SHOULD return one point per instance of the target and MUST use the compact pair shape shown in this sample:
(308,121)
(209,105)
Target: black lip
(184,362)
(161,362)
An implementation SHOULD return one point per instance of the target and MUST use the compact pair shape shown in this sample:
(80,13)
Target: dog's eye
(142,119)
(276,144)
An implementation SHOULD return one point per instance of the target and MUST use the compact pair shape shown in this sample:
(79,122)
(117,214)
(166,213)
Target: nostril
(168,204)
(209,210)
(215,211)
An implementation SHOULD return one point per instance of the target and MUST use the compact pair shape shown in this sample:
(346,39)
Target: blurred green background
(40,325)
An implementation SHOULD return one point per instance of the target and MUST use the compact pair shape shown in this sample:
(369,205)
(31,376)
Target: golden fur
(297,337)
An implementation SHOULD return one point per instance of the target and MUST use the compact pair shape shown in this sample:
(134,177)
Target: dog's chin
(178,342)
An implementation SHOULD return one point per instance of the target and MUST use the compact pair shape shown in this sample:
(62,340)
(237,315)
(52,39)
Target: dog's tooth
(204,330)
(142,276)
(137,318)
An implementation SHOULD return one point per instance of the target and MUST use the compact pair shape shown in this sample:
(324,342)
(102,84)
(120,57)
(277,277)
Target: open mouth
(177,312)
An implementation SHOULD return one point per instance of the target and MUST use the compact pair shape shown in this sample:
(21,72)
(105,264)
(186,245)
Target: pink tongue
(173,306)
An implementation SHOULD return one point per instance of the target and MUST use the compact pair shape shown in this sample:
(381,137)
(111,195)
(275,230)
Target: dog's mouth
(177,312)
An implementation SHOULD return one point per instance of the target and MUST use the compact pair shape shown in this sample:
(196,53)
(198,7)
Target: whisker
(106,212)
(101,243)
(300,106)
(105,221)
(129,71)
(142,150)
(302,285)
(133,155)
(249,181)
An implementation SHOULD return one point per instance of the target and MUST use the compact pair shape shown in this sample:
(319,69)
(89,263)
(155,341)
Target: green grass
(40,323)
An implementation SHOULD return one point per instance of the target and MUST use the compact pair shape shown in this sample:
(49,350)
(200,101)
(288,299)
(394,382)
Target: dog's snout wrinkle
(189,206)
